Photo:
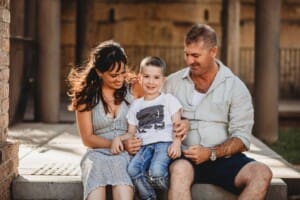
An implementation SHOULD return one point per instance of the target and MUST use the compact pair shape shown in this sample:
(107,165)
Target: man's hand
(197,153)
(181,128)
(132,145)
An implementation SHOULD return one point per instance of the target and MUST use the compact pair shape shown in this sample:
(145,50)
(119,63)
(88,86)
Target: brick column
(8,151)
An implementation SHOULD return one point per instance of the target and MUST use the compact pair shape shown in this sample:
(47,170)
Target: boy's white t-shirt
(153,118)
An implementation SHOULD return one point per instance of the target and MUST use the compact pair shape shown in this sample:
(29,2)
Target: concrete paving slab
(35,134)
(47,187)
(280,167)
(51,153)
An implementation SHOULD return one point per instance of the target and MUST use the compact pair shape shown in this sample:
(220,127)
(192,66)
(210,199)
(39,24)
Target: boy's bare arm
(131,143)
(130,132)
(175,118)
(174,150)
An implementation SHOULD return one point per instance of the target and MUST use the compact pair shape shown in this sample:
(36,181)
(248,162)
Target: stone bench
(35,187)
(60,144)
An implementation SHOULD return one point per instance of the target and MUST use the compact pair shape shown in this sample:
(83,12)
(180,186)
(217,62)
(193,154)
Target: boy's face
(151,80)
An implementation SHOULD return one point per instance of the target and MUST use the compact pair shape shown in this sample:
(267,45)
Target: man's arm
(230,147)
(199,154)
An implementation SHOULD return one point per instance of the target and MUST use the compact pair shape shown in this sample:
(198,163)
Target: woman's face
(114,79)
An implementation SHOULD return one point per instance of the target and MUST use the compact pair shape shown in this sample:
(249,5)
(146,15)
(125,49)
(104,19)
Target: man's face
(199,57)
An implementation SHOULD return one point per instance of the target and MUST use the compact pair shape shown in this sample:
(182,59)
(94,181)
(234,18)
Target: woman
(100,98)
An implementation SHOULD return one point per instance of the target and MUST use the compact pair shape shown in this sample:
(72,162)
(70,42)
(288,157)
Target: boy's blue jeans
(149,169)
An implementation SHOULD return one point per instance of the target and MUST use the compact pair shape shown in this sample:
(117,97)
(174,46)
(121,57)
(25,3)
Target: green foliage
(288,144)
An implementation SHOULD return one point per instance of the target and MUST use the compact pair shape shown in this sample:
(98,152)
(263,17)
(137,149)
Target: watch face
(213,156)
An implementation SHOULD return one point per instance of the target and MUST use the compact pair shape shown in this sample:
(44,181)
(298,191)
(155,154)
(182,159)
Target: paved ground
(56,149)
(51,152)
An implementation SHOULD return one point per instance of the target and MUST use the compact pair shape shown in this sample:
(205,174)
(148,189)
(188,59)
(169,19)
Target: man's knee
(264,172)
(260,170)
(254,172)
(182,170)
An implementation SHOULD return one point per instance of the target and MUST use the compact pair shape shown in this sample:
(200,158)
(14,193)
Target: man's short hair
(201,32)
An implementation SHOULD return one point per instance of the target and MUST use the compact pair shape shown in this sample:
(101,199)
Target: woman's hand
(181,128)
(133,81)
(117,146)
(132,145)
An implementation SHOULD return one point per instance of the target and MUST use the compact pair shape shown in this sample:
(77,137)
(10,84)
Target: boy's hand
(117,146)
(174,150)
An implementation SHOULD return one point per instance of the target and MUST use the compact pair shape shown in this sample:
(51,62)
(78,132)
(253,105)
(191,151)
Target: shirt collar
(223,73)
(223,70)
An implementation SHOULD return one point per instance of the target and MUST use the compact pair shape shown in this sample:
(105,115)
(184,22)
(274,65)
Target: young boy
(151,118)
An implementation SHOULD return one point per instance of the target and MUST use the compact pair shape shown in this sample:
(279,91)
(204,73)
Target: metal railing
(289,76)
(173,56)
(289,84)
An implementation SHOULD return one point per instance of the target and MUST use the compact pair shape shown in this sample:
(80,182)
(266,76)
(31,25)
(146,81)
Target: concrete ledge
(50,156)
(277,190)
(66,187)
(47,187)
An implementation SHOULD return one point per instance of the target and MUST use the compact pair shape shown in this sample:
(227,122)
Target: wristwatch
(213,155)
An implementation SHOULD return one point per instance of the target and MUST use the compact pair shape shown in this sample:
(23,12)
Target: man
(219,108)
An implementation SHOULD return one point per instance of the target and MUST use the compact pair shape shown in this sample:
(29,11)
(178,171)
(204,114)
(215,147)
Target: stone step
(49,165)
(70,187)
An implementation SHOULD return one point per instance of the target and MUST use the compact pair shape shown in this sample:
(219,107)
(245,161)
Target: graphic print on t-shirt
(151,117)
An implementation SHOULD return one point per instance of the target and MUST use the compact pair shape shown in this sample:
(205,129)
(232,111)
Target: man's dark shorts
(222,171)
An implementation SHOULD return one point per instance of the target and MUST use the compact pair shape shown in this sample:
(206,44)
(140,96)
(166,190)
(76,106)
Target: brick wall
(8,150)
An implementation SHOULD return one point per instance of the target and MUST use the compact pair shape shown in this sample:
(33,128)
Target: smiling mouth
(119,84)
(193,68)
(151,88)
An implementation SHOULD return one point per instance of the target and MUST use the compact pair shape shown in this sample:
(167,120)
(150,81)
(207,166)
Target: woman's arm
(89,139)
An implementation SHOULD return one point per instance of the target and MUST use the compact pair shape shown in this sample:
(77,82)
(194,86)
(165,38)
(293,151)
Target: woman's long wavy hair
(85,84)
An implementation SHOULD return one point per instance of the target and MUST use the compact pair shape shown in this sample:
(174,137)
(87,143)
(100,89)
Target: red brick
(3,119)
(4,4)
(3,134)
(4,58)
(4,90)
(9,150)
(4,44)
(4,15)
(4,29)
(4,73)
(8,167)
(5,188)
(4,105)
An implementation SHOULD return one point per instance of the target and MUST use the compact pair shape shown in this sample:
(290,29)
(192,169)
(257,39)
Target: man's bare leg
(181,179)
(255,178)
